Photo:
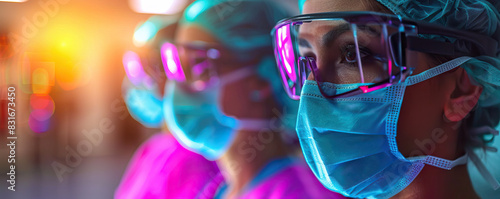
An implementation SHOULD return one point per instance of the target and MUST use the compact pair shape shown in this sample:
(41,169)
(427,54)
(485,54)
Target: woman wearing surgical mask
(221,101)
(396,97)
(160,168)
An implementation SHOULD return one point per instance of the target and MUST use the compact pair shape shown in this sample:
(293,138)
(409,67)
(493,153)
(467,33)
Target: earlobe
(463,99)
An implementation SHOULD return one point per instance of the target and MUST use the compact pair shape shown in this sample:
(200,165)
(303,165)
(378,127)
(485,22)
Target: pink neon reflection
(285,48)
(367,89)
(133,68)
(286,54)
(172,63)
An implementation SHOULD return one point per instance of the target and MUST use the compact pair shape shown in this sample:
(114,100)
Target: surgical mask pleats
(197,122)
(350,142)
(196,119)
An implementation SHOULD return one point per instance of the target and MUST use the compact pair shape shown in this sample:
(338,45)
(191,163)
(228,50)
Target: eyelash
(345,49)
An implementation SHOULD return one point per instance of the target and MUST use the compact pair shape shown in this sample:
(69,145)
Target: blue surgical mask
(196,118)
(350,143)
(145,106)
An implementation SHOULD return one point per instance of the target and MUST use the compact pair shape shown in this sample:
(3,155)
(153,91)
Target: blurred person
(396,96)
(221,101)
(160,167)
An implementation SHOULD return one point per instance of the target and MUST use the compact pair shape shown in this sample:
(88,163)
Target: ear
(463,99)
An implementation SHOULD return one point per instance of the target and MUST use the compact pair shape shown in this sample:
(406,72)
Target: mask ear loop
(435,71)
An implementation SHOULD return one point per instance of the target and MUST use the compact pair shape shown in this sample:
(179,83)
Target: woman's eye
(349,54)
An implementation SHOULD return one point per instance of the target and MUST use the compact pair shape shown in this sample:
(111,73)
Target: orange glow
(40,80)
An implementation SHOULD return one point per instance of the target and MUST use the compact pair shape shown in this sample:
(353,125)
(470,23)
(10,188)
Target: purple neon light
(286,54)
(172,63)
(133,68)
(38,126)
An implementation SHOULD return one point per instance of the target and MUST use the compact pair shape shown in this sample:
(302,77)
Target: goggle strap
(416,43)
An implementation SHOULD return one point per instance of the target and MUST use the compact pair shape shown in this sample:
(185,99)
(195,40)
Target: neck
(249,153)
(433,182)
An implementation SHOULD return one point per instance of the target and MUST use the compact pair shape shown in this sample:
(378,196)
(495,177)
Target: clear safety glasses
(367,50)
(191,64)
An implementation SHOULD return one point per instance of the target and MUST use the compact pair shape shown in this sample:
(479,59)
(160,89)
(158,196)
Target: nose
(311,76)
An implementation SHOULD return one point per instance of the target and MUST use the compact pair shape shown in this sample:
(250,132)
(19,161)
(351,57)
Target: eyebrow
(328,37)
(304,43)
(332,35)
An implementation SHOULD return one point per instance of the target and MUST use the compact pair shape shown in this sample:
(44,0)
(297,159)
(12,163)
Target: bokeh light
(133,68)
(171,62)
(42,109)
(42,102)
(40,81)
(158,6)
(144,33)
(38,126)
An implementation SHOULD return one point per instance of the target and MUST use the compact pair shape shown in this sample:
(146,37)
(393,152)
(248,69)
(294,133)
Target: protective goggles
(368,50)
(196,65)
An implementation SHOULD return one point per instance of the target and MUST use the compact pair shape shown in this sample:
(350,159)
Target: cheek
(234,98)
(229,95)
(421,113)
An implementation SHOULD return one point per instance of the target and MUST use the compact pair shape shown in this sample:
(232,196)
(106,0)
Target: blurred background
(65,58)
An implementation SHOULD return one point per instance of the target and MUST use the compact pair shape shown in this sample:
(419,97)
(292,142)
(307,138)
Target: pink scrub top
(283,178)
(162,168)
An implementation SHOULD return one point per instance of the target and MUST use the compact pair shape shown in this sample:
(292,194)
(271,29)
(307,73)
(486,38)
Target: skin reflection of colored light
(38,126)
(40,81)
(133,68)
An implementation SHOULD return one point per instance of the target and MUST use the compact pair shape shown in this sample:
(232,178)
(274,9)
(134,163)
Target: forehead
(317,6)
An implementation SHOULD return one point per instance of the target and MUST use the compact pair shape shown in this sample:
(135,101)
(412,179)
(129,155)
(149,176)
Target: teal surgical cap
(478,16)
(244,26)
